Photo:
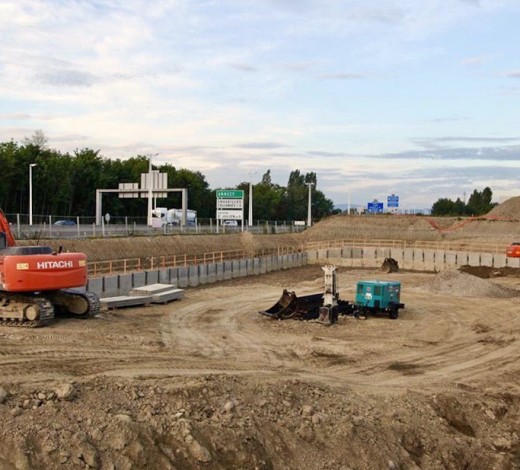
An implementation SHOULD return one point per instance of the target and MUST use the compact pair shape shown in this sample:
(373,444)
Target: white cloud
(230,85)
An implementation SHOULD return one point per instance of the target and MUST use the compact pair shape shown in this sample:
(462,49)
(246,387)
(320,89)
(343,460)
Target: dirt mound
(413,228)
(217,422)
(169,245)
(485,272)
(466,285)
(509,209)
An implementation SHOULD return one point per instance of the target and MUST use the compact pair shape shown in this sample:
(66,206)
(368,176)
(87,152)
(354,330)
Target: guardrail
(98,268)
(82,231)
(123,266)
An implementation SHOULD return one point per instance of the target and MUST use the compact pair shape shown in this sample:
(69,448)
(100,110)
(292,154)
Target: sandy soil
(207,382)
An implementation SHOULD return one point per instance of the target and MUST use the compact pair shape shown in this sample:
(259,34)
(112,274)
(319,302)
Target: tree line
(479,203)
(64,185)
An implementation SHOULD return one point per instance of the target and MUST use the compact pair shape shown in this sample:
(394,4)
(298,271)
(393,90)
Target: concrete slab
(138,279)
(159,293)
(257,266)
(382,253)
(95,284)
(462,258)
(228,270)
(164,276)
(220,271)
(312,256)
(182,273)
(323,255)
(174,276)
(152,276)
(111,285)
(513,262)
(408,259)
(151,289)
(440,260)
(397,254)
(193,276)
(123,301)
(203,273)
(499,260)
(243,267)
(212,272)
(429,260)
(451,259)
(474,259)
(486,259)
(235,268)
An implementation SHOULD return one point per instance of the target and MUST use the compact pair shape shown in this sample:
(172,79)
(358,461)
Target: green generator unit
(373,297)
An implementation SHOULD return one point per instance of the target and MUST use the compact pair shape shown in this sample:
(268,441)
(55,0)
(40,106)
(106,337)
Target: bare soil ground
(207,382)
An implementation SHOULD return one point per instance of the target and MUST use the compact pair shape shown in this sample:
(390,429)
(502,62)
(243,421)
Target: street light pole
(31,166)
(250,217)
(309,217)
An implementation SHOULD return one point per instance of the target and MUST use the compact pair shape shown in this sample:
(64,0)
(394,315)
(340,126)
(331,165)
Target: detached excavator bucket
(390,265)
(291,306)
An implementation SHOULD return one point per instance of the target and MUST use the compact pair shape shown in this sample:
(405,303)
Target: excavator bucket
(390,265)
(306,307)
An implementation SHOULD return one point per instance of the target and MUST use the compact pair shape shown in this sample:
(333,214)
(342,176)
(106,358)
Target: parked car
(513,250)
(64,222)
(230,223)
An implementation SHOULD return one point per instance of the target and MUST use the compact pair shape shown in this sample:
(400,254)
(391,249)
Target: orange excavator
(37,282)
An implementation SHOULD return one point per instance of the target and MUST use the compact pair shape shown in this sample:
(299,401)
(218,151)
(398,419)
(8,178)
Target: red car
(513,250)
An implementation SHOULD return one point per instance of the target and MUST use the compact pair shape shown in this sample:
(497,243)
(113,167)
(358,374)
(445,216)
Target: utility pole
(309,216)
(31,166)
(250,217)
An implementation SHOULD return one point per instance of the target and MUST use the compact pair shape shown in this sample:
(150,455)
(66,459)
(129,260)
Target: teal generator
(374,297)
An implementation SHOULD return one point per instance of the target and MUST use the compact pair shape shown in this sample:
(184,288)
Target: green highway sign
(230,194)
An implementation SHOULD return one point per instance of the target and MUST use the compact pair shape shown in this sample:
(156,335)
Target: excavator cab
(3,241)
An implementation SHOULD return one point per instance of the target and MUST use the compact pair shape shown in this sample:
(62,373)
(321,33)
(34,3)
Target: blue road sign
(375,207)
(393,201)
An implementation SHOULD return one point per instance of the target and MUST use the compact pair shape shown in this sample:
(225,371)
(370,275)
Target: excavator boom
(7,239)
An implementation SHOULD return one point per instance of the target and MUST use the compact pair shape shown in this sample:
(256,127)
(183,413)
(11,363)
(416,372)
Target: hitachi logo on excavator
(54,264)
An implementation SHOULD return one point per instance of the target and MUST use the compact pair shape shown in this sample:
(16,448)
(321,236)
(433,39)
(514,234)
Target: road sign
(230,194)
(230,203)
(393,201)
(229,214)
(375,207)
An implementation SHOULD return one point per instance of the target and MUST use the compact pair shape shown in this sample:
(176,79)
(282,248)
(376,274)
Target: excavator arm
(7,240)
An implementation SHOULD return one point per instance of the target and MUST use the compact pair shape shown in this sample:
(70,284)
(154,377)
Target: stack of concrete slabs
(160,293)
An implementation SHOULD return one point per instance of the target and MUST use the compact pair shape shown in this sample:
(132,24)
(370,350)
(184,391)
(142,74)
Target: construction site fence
(98,268)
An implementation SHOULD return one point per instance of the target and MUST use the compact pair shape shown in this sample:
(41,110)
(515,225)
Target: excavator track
(25,311)
(76,304)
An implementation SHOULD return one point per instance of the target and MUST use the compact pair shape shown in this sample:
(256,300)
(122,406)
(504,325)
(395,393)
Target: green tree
(443,206)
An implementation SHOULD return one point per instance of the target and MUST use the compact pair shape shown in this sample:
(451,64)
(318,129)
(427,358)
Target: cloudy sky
(420,98)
